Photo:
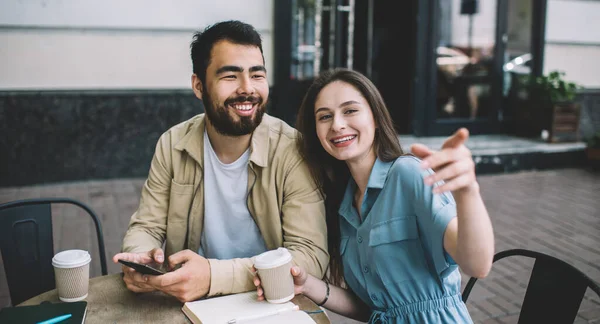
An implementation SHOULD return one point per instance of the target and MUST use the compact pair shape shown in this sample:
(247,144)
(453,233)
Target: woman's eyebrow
(347,103)
(320,109)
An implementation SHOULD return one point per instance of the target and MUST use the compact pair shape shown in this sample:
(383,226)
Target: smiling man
(227,185)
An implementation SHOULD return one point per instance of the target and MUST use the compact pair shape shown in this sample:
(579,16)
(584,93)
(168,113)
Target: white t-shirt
(229,230)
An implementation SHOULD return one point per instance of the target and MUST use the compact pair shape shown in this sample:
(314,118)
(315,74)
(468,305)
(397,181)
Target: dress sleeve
(433,211)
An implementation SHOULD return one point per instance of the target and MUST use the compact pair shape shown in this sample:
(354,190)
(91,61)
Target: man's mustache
(242,99)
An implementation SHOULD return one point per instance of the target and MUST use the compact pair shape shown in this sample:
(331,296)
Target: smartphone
(155,269)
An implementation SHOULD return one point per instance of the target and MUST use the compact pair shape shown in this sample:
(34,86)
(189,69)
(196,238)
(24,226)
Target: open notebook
(243,308)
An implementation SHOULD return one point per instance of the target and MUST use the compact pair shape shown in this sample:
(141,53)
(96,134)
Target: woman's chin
(342,154)
(342,157)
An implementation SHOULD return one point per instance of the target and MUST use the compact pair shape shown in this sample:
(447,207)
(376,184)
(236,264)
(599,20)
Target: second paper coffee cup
(273,269)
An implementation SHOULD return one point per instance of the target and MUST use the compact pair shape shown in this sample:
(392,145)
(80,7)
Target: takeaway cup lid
(272,259)
(71,259)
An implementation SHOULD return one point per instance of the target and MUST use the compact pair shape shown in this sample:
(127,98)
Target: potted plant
(555,111)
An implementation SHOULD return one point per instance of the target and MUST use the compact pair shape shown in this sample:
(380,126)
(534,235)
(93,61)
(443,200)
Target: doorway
(371,36)
(385,52)
(472,54)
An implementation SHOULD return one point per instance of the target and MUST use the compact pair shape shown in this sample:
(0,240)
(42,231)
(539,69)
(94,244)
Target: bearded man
(227,185)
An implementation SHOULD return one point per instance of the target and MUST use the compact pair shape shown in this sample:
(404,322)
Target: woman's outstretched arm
(469,238)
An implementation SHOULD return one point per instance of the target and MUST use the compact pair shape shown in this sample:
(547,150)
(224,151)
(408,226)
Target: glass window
(465,54)
(518,59)
(306,43)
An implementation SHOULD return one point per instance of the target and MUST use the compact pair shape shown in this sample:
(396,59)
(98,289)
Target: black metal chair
(554,292)
(27,245)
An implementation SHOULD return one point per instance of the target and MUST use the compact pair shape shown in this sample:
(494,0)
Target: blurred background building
(87,87)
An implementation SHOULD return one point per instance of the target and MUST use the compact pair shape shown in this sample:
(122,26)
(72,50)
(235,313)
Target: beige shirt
(282,198)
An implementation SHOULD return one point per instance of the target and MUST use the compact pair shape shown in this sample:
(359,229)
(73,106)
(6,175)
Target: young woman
(397,230)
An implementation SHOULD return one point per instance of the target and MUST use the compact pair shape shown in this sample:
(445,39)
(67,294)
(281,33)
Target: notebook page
(219,310)
(292,317)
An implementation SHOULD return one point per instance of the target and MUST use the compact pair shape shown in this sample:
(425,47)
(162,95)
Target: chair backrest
(554,292)
(27,248)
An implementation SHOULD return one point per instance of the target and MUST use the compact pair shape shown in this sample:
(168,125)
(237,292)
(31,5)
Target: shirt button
(373,297)
(359,239)
(366,269)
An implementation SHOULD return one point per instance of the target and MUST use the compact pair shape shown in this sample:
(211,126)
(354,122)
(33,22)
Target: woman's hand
(453,164)
(298,274)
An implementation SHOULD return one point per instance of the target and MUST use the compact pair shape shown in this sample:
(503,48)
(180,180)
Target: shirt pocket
(180,201)
(397,252)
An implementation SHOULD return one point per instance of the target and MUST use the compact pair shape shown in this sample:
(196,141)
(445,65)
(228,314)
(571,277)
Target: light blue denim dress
(395,260)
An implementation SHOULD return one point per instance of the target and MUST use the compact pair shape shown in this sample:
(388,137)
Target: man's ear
(197,86)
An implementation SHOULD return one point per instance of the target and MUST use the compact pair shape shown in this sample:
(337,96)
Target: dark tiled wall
(63,136)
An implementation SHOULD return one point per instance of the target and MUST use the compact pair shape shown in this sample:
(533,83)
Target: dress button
(366,269)
(359,239)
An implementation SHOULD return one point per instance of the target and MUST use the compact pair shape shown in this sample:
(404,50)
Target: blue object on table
(55,319)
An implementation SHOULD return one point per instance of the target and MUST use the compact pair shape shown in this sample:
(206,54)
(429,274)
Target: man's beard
(224,124)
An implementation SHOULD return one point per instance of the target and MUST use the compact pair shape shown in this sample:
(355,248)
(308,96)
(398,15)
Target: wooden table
(109,301)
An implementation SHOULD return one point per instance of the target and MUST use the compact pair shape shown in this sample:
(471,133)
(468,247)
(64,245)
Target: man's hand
(133,279)
(190,282)
(453,164)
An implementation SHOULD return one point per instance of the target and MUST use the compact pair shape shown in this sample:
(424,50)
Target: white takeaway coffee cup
(72,274)
(273,269)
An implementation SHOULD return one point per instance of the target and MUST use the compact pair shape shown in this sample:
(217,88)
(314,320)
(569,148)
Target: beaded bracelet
(326,295)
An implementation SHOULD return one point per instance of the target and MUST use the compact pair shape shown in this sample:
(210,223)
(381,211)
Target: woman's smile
(343,141)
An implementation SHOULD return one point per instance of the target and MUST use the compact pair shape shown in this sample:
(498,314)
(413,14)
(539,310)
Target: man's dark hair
(233,31)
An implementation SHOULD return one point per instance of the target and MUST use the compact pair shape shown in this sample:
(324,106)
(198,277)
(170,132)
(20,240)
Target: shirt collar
(379,174)
(346,205)
(193,141)
(259,145)
(376,180)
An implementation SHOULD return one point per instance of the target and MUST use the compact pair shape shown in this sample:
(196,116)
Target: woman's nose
(338,124)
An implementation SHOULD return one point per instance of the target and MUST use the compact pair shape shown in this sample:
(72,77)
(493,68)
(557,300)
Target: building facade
(87,87)
(440,64)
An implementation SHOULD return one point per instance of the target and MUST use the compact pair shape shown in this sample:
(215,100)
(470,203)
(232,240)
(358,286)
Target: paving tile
(509,307)
(489,308)
(509,319)
(590,314)
(580,320)
(480,292)
(477,314)
(494,286)
(491,321)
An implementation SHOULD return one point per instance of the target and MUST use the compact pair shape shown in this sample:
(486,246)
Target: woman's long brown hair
(330,174)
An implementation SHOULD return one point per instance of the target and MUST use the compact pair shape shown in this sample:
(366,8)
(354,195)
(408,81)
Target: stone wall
(50,137)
